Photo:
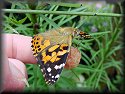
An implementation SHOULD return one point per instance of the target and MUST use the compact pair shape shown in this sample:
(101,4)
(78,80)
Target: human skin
(16,53)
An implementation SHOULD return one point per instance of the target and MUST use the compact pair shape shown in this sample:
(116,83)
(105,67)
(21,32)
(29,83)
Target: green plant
(93,71)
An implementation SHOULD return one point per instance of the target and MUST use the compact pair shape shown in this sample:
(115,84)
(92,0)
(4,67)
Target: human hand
(16,53)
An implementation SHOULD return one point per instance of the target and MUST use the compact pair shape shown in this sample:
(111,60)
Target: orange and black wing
(52,63)
(51,57)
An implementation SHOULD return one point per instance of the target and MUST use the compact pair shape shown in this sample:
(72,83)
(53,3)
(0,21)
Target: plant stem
(61,12)
(66,4)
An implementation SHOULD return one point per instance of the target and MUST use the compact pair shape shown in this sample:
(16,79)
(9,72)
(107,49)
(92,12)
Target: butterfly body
(51,49)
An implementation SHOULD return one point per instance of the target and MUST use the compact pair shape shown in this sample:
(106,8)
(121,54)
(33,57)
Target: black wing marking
(51,71)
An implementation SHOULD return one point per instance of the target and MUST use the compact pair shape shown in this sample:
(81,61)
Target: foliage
(100,55)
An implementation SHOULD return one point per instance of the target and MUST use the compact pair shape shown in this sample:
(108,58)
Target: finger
(13,73)
(18,71)
(19,67)
(19,47)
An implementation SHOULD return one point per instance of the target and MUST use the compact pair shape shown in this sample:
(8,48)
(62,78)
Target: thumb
(13,80)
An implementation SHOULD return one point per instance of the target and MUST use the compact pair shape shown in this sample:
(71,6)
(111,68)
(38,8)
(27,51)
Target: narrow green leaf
(50,21)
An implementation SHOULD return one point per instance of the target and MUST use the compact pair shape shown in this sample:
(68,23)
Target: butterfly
(51,49)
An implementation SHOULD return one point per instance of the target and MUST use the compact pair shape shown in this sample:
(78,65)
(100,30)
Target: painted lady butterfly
(51,49)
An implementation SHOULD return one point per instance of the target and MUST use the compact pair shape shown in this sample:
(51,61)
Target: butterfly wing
(52,63)
(51,53)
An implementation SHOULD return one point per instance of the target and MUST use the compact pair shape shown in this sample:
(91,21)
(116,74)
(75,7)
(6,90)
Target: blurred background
(100,68)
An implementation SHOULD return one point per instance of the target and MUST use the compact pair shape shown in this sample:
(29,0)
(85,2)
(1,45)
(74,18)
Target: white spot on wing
(52,76)
(56,67)
(53,80)
(42,70)
(60,66)
(44,75)
(63,64)
(49,69)
(47,82)
(57,76)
